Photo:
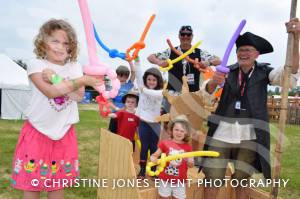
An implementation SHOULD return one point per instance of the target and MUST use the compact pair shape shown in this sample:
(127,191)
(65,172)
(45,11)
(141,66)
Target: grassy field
(88,137)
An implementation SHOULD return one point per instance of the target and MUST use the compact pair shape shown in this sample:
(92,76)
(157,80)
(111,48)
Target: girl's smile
(178,133)
(57,47)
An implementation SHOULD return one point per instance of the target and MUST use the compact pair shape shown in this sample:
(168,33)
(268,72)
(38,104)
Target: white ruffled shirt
(235,133)
(48,116)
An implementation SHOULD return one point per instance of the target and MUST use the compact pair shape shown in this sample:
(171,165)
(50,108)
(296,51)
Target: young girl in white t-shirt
(46,151)
(150,85)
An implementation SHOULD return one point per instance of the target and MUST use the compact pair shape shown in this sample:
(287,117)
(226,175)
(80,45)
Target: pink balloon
(97,88)
(111,73)
(102,88)
(95,67)
(89,33)
(116,84)
(113,93)
(105,94)
(94,70)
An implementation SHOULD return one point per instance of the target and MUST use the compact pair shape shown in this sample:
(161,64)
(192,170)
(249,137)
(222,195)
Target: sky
(120,24)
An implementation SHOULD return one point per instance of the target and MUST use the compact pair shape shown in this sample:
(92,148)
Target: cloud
(120,24)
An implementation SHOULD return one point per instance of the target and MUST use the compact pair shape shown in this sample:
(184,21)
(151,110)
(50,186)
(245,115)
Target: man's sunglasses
(188,34)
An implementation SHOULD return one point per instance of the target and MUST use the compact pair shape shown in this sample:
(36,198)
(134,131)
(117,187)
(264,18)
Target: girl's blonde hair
(47,29)
(181,119)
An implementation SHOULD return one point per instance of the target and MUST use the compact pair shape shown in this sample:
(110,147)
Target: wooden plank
(150,193)
(198,192)
(115,163)
(192,106)
(259,194)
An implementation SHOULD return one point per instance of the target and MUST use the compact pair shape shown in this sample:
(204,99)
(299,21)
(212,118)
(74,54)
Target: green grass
(290,161)
(88,131)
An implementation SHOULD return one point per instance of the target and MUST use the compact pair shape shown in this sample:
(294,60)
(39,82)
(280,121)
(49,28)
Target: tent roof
(12,76)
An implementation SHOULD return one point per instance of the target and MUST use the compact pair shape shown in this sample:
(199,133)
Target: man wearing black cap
(183,67)
(239,129)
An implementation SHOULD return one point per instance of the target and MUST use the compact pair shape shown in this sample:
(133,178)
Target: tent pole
(284,105)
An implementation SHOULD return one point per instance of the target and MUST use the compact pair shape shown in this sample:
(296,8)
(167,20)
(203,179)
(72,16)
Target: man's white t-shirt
(52,118)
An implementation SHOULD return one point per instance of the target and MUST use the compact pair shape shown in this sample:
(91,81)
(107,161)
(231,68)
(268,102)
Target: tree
(294,91)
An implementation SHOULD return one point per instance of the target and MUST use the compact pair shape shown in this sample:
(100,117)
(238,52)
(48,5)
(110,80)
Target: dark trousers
(149,136)
(113,125)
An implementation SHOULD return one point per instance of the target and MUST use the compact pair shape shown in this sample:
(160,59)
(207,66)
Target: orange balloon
(209,73)
(137,46)
(218,93)
(147,27)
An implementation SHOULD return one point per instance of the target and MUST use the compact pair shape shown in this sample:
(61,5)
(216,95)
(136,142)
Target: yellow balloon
(139,144)
(164,159)
(138,141)
(171,62)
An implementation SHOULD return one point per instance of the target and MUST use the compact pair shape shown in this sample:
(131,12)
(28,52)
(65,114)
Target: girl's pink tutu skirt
(42,164)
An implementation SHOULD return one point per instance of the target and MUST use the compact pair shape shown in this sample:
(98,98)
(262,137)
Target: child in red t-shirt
(127,120)
(176,169)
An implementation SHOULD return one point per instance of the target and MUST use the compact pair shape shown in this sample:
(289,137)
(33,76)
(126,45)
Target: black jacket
(176,73)
(257,107)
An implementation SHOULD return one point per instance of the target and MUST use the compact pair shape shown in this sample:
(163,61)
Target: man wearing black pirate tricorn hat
(239,129)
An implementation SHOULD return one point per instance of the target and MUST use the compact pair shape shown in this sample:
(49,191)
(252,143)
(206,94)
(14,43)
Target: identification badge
(237,105)
(190,78)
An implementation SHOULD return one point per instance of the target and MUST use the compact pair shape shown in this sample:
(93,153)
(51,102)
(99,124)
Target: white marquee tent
(14,89)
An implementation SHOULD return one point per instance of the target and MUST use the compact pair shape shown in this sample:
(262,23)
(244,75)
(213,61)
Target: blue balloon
(113,53)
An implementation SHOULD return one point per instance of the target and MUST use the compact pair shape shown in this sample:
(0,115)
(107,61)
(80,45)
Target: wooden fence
(293,116)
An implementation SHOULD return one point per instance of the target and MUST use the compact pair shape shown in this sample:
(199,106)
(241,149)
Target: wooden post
(115,162)
(283,105)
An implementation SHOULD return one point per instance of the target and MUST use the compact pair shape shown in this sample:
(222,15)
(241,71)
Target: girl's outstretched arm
(138,74)
(112,115)
(132,71)
(155,155)
(63,88)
